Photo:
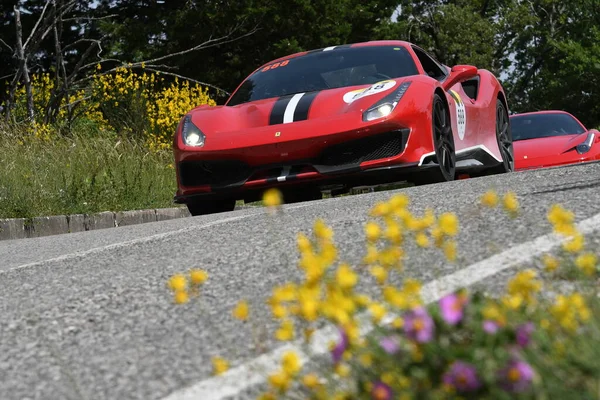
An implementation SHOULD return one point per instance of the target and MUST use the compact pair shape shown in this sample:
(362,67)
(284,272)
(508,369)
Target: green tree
(556,57)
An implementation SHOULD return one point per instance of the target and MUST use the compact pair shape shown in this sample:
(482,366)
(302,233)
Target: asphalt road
(88,315)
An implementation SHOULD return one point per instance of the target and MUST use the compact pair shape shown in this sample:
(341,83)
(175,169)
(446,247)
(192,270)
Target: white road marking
(245,376)
(146,239)
(288,116)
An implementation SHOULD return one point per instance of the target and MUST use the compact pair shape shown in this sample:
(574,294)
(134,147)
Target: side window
(431,67)
(471,87)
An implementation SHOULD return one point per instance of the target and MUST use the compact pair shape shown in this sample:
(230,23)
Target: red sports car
(339,117)
(552,138)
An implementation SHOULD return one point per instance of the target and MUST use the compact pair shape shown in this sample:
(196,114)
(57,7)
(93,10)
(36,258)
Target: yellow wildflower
(422,240)
(510,203)
(178,282)
(290,363)
(379,273)
(380,209)
(278,310)
(342,370)
(448,223)
(365,359)
(550,263)
(286,331)
(220,365)
(345,277)
(322,231)
(372,231)
(372,255)
(272,198)
(489,199)
(575,244)
(198,276)
(311,381)
(304,244)
(557,215)
(181,296)
(399,201)
(587,263)
(393,233)
(525,285)
(241,310)
(283,293)
(398,323)
(450,250)
(280,381)
(377,311)
(310,308)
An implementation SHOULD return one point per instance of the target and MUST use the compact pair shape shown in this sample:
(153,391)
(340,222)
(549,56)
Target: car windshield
(320,70)
(543,125)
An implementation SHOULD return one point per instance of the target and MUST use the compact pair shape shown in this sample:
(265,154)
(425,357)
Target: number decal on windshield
(276,65)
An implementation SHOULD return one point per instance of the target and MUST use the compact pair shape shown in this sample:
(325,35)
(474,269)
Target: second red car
(552,138)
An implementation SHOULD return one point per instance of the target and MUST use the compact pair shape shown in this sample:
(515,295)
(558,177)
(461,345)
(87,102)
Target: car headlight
(192,136)
(385,106)
(585,146)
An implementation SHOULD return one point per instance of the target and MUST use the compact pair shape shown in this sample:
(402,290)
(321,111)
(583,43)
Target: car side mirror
(459,73)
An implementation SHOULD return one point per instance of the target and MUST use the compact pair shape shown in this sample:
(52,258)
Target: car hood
(301,108)
(549,146)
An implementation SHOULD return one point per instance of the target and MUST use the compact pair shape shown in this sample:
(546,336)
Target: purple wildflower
(516,376)
(490,327)
(524,332)
(340,347)
(451,307)
(381,391)
(418,325)
(390,344)
(463,377)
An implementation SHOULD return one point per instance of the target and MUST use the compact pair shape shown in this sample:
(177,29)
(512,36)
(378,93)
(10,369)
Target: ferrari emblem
(277,134)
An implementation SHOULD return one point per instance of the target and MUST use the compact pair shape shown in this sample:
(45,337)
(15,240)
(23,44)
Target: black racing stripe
(278,110)
(303,107)
(272,179)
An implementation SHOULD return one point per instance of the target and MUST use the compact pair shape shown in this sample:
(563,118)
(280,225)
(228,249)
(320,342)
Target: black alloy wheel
(443,141)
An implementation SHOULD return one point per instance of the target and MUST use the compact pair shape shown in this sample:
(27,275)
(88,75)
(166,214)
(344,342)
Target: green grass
(81,174)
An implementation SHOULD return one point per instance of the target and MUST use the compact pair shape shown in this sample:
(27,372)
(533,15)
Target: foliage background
(546,51)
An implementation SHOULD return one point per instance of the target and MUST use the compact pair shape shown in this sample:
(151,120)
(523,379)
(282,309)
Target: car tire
(203,207)
(504,140)
(443,142)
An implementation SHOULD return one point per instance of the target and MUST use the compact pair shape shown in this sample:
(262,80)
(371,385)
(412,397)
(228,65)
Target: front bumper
(377,158)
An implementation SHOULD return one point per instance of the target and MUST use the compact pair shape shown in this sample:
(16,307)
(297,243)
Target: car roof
(542,112)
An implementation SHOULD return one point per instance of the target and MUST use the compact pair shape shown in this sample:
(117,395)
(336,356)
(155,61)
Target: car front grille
(374,147)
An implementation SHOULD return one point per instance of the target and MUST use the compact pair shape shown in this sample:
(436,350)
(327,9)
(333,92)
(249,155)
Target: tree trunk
(23,65)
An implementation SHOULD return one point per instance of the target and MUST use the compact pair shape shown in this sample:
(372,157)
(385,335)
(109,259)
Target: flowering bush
(139,105)
(461,346)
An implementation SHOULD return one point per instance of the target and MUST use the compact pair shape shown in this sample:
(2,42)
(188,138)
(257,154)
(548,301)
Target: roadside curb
(24,228)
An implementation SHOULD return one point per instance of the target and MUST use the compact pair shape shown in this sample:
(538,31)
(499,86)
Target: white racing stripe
(329,48)
(288,116)
(243,377)
(146,239)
